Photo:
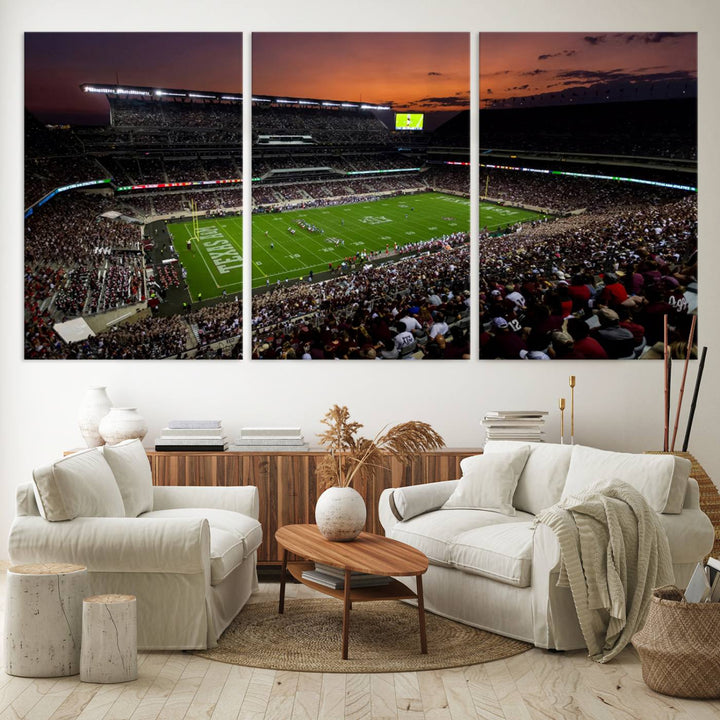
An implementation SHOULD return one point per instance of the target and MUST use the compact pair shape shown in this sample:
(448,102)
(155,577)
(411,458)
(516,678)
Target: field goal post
(195,221)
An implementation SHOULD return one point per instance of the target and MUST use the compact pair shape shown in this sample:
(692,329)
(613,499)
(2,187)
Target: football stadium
(360,230)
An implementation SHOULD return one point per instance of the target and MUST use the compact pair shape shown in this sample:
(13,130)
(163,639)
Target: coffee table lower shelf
(394,590)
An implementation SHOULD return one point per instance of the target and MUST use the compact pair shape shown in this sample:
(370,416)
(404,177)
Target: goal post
(195,221)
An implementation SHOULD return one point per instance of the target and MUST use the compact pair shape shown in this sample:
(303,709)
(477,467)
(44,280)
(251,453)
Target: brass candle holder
(561,405)
(572,409)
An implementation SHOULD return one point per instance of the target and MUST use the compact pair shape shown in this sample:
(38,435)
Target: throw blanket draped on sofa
(614,551)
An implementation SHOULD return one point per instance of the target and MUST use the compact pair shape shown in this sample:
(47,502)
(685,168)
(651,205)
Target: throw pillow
(79,485)
(542,480)
(488,482)
(131,468)
(660,479)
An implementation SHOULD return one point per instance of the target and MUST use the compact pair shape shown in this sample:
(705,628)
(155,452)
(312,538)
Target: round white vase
(340,513)
(96,404)
(122,424)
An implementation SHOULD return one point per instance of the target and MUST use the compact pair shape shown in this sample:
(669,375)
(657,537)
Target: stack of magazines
(334,577)
(704,585)
(519,425)
(192,435)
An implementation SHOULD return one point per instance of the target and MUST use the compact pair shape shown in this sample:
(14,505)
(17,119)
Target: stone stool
(43,619)
(109,639)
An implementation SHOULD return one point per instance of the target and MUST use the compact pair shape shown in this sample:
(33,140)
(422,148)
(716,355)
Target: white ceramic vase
(340,513)
(96,404)
(122,424)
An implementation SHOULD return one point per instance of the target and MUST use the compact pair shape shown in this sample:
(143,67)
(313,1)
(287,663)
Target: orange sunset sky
(413,71)
(556,68)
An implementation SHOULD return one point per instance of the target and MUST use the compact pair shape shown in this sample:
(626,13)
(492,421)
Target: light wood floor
(178,686)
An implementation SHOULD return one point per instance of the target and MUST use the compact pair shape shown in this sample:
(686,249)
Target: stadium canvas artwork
(360,230)
(133,195)
(588,189)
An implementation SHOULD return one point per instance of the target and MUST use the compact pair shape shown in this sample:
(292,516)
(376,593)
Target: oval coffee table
(368,553)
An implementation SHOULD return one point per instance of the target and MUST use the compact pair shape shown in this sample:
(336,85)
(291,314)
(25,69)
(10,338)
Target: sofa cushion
(131,468)
(488,482)
(79,485)
(501,552)
(542,480)
(227,551)
(242,528)
(660,479)
(434,533)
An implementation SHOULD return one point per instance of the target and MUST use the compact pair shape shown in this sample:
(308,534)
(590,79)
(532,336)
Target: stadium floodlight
(259,99)
(308,102)
(230,97)
(199,95)
(331,104)
(93,89)
(352,105)
(169,94)
(281,100)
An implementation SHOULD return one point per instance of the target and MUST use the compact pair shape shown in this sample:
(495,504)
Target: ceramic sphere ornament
(124,423)
(340,513)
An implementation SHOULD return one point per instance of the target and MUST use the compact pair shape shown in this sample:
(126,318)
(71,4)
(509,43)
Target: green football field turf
(214,263)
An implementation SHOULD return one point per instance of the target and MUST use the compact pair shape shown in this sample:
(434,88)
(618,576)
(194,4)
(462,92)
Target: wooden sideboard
(286,482)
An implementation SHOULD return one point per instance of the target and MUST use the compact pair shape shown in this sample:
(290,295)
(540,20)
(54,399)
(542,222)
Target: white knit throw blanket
(614,552)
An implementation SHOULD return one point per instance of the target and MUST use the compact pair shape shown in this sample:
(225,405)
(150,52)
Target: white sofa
(492,569)
(187,553)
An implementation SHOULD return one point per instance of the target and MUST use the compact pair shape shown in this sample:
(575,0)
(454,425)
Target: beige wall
(618,405)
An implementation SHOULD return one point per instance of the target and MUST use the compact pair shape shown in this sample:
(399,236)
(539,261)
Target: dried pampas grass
(351,457)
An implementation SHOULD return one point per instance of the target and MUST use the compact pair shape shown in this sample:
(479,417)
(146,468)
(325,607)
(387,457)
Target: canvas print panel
(588,184)
(133,194)
(360,196)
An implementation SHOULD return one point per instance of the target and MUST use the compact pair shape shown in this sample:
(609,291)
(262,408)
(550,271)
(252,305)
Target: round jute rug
(384,637)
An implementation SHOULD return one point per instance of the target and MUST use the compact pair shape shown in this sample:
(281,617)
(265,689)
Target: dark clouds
(562,53)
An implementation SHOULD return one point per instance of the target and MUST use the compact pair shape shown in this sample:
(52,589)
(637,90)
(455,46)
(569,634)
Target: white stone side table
(109,639)
(43,619)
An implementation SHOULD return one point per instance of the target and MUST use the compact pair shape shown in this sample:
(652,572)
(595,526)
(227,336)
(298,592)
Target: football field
(290,244)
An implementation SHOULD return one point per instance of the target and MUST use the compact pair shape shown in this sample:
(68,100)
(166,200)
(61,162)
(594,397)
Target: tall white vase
(340,513)
(96,404)
(122,424)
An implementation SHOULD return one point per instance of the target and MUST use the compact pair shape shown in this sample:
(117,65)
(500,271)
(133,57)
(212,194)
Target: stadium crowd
(596,285)
(389,311)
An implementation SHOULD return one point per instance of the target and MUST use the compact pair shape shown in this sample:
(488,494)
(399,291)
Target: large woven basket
(680,646)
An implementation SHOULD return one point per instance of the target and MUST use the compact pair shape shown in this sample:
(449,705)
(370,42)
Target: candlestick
(572,409)
(561,405)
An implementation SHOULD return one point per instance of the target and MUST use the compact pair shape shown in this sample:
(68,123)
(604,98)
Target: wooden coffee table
(368,553)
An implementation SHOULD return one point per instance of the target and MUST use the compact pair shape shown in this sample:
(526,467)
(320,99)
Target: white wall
(618,405)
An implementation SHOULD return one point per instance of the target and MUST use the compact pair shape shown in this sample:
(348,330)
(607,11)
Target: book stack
(192,435)
(263,439)
(704,585)
(518,425)
(333,577)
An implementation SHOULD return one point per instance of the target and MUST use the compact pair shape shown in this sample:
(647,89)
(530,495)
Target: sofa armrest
(692,495)
(177,545)
(403,503)
(243,499)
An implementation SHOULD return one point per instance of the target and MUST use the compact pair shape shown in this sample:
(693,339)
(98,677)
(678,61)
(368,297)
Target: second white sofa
(490,568)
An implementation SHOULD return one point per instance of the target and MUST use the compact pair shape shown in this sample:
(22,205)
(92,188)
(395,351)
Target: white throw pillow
(488,482)
(542,480)
(131,468)
(660,479)
(79,485)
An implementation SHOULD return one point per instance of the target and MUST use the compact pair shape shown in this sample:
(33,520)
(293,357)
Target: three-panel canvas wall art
(581,149)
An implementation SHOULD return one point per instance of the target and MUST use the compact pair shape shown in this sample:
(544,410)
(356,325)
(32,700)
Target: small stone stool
(109,639)
(43,619)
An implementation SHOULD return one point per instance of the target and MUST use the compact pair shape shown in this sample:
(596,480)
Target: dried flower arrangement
(353,457)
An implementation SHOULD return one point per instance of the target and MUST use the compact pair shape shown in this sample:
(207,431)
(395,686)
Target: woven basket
(680,646)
